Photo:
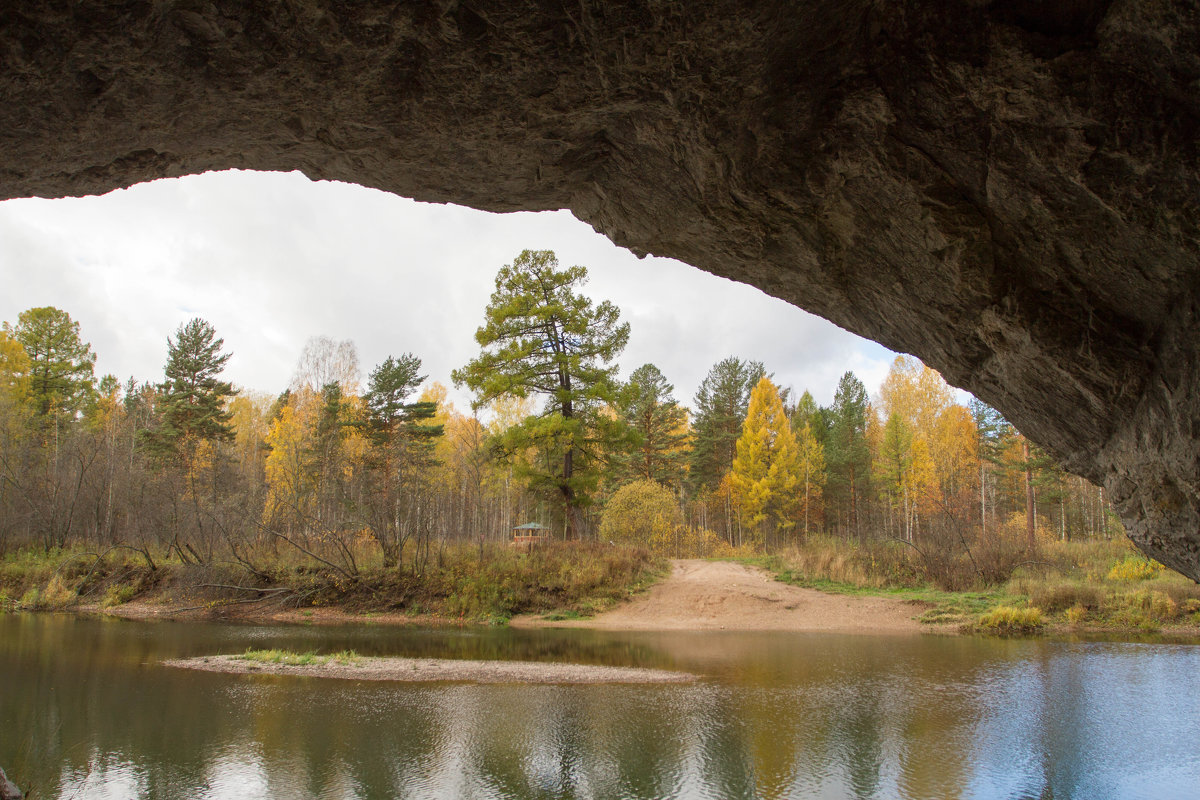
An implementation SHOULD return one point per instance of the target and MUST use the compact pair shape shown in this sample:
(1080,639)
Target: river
(87,711)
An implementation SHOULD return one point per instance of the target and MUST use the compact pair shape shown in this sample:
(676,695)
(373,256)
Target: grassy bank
(1096,586)
(453,583)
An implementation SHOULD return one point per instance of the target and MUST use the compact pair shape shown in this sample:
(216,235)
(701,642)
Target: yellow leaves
(248,415)
(14,370)
(955,445)
(928,447)
(286,469)
(915,393)
(765,472)
(640,513)
(508,410)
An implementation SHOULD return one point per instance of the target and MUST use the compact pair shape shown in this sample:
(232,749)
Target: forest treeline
(347,472)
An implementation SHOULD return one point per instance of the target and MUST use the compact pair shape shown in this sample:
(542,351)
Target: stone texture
(8,789)
(1008,190)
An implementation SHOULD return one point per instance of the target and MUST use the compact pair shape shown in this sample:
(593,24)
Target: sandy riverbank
(414,670)
(722,595)
(698,595)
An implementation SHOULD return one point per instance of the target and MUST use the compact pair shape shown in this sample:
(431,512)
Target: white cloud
(271,259)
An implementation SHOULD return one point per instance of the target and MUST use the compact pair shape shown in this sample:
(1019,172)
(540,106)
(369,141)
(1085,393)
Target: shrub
(57,594)
(1063,596)
(31,600)
(1009,620)
(1076,614)
(874,564)
(1157,605)
(117,595)
(640,512)
(1134,568)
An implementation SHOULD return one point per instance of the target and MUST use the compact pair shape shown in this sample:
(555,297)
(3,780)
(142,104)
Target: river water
(86,711)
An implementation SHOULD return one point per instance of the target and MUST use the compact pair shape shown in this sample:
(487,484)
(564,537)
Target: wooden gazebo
(530,535)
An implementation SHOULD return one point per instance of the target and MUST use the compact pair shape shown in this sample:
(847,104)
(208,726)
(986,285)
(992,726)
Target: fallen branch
(217,604)
(270,590)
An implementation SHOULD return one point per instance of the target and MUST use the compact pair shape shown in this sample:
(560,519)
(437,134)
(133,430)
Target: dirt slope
(720,595)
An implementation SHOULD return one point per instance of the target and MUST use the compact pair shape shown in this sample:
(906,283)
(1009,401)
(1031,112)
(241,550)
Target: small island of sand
(416,670)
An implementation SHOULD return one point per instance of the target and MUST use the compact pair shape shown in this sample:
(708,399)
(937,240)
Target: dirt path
(721,595)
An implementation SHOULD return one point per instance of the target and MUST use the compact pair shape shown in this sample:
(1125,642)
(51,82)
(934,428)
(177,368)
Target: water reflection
(86,711)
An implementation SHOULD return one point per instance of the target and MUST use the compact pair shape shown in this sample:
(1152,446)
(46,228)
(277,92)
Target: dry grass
(1078,583)
(454,581)
(1006,620)
(291,658)
(826,559)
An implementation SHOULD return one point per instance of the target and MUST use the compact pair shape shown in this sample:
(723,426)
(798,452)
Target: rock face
(1008,190)
(8,789)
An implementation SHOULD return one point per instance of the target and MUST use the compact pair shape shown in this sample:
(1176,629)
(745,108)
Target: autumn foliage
(346,475)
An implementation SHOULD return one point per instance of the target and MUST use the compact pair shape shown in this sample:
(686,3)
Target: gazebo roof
(531,526)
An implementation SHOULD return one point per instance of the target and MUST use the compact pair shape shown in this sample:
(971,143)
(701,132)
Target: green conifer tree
(192,398)
(541,336)
(847,454)
(721,404)
(659,425)
(60,377)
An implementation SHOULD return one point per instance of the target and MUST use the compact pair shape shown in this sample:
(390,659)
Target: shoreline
(697,595)
(430,670)
(148,612)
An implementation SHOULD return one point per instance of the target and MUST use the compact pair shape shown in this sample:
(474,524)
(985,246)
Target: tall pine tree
(847,455)
(402,440)
(659,425)
(192,399)
(542,336)
(60,377)
(721,404)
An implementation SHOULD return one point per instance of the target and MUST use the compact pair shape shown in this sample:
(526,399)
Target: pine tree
(805,412)
(192,399)
(61,363)
(541,336)
(659,423)
(847,455)
(721,405)
(765,472)
(401,454)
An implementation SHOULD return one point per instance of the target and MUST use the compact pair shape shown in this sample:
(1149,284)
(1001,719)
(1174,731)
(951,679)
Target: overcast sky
(271,259)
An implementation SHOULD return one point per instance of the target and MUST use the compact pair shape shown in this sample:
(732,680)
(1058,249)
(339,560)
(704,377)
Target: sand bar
(418,670)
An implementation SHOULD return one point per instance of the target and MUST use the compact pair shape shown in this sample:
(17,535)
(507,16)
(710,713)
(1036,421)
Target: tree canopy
(61,376)
(721,404)
(659,425)
(193,397)
(542,336)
